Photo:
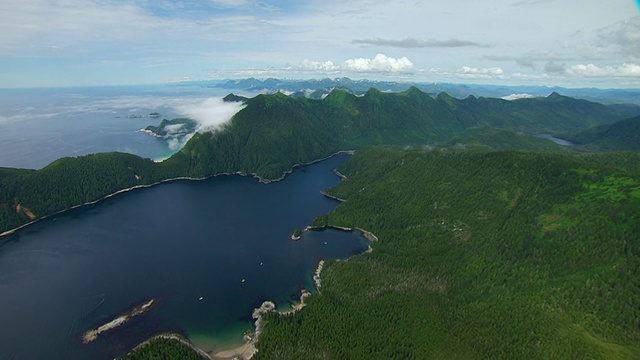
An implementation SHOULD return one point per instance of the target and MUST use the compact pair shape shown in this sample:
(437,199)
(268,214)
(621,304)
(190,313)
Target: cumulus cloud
(481,73)
(417,43)
(318,65)
(591,70)
(380,62)
(211,114)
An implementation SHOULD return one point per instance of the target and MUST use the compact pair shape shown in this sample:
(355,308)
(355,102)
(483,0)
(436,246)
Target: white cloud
(518,96)
(486,73)
(318,65)
(380,62)
(211,114)
(591,70)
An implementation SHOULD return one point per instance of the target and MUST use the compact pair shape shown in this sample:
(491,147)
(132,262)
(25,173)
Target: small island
(92,334)
(297,234)
(172,128)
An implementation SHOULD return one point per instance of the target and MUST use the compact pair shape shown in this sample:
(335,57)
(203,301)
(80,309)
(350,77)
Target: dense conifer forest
(480,255)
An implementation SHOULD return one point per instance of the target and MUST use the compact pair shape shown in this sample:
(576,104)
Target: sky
(570,43)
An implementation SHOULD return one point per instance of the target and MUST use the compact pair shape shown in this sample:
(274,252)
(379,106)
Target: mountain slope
(275,132)
(480,255)
(622,135)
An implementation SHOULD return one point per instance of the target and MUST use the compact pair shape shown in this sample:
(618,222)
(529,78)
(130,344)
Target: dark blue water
(174,242)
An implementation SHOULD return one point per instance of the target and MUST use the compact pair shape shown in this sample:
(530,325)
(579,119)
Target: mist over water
(38,126)
(176,242)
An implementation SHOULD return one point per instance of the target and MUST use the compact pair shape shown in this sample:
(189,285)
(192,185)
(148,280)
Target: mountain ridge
(274,132)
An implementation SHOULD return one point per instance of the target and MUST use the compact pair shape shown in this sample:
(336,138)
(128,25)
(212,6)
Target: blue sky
(526,42)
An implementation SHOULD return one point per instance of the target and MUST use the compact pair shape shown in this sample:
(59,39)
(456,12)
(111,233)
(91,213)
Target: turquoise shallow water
(174,242)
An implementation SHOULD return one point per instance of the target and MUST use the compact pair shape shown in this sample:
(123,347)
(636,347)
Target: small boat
(242,280)
(200,298)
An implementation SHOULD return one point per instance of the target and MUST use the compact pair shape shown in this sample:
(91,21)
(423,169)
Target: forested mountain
(275,132)
(626,100)
(481,255)
(622,135)
(173,128)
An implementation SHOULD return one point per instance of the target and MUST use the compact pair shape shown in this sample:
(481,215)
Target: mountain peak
(554,95)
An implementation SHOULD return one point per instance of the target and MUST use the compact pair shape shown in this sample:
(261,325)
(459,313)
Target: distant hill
(630,109)
(234,98)
(173,128)
(622,135)
(490,138)
(628,97)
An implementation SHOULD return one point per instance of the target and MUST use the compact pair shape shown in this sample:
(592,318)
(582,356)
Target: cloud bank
(211,114)
(591,70)
(472,72)
(380,63)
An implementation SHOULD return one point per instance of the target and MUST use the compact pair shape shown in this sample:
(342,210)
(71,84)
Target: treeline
(68,182)
(480,255)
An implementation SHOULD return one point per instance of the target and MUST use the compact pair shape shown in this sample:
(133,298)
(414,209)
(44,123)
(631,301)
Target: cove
(208,251)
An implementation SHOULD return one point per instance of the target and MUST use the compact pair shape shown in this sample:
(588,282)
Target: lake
(225,240)
(556,140)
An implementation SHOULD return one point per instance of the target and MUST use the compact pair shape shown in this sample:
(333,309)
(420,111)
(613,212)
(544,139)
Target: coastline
(246,350)
(143,186)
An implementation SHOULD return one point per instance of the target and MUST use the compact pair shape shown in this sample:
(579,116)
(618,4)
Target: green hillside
(481,255)
(622,135)
(173,127)
(275,132)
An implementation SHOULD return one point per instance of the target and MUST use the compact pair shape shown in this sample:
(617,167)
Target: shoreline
(144,186)
(248,348)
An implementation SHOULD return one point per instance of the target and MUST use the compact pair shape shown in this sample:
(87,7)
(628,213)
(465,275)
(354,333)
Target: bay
(225,240)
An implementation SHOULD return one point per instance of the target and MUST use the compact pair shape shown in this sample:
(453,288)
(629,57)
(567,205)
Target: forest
(275,132)
(480,255)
